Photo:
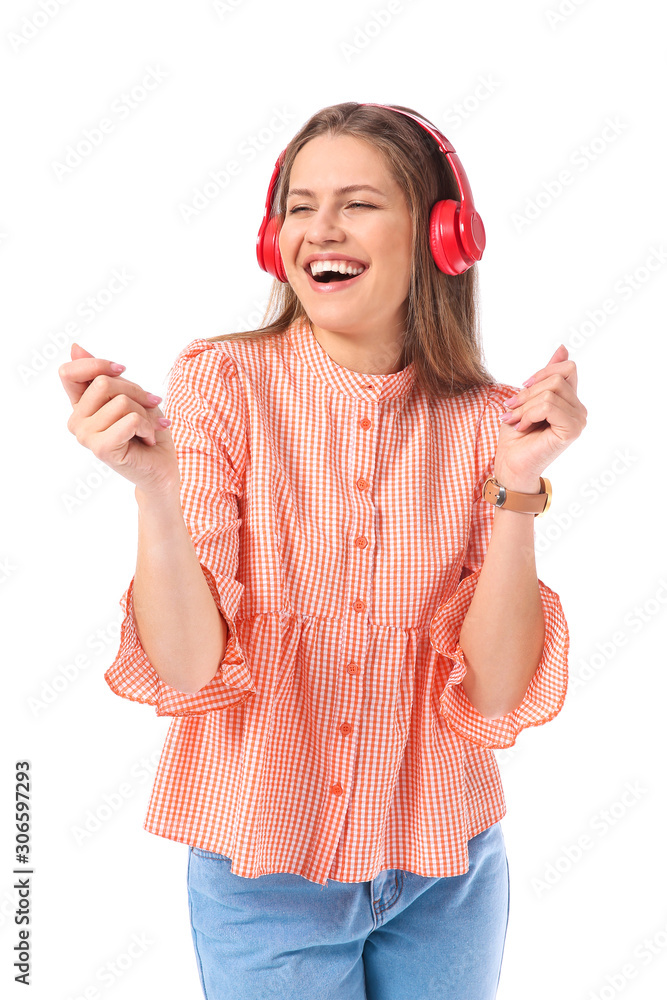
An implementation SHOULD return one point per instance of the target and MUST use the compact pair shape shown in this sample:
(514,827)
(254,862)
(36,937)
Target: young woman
(335,594)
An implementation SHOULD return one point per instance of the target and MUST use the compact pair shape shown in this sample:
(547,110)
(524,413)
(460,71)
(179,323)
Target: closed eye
(360,204)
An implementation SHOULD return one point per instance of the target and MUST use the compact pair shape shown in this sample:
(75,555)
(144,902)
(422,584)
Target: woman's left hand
(542,420)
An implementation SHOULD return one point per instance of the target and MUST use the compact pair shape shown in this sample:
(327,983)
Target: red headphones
(456,231)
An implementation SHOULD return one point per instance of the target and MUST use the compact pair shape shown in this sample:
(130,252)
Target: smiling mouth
(329,281)
(327,269)
(324,277)
(336,274)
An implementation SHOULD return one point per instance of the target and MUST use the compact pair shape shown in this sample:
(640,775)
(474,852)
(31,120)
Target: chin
(339,316)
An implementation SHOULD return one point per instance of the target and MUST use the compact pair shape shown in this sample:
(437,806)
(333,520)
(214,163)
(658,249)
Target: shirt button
(359,605)
(353,668)
(336,789)
(362,484)
(345,728)
(365,423)
(361,542)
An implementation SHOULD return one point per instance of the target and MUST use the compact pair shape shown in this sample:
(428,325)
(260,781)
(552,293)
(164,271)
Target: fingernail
(529,381)
(117,368)
(152,398)
(164,421)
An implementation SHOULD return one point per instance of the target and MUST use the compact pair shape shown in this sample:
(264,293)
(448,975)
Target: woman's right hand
(117,421)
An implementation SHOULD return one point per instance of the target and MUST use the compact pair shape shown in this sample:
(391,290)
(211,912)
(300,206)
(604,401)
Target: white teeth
(341,266)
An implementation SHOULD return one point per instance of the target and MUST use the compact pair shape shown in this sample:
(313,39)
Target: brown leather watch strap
(523,503)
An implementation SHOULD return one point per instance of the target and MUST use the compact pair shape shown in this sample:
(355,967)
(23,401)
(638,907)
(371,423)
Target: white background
(524,93)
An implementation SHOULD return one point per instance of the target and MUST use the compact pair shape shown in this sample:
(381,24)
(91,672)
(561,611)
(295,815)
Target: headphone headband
(456,231)
(445,147)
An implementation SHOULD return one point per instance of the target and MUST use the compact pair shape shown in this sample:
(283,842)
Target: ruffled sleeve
(205,404)
(546,692)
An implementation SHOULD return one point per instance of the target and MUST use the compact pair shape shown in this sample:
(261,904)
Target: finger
(115,411)
(101,390)
(77,374)
(560,414)
(560,354)
(77,351)
(552,383)
(117,442)
(567,368)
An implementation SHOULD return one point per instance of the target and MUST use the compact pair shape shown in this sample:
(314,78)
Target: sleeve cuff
(131,675)
(546,692)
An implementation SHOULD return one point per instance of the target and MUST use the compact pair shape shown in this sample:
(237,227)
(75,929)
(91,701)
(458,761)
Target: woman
(327,598)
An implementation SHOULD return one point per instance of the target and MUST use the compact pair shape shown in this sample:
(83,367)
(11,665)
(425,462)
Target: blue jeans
(399,936)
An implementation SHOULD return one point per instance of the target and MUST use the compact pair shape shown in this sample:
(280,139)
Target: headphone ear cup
(268,251)
(443,227)
(473,236)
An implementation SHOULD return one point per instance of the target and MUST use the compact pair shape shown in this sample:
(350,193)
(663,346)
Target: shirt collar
(350,383)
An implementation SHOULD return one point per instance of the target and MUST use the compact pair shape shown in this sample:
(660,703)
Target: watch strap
(522,503)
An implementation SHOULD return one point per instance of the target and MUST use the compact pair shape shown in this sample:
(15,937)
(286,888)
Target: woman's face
(372,228)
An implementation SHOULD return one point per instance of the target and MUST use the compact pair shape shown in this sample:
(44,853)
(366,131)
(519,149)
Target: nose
(323,225)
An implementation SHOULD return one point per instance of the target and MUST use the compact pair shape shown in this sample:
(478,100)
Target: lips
(334,286)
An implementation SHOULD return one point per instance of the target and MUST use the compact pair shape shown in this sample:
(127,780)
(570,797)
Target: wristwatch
(523,503)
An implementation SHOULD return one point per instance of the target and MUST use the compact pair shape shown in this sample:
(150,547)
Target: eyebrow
(305,193)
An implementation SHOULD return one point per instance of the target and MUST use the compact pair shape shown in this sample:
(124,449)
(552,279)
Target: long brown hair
(442,333)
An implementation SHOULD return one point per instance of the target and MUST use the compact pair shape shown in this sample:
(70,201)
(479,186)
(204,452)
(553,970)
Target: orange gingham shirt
(338,521)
